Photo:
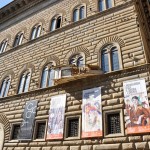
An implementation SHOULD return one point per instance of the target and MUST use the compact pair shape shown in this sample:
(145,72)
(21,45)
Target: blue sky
(4,2)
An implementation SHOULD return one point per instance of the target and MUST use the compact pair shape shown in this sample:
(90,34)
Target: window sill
(72,138)
(39,140)
(114,135)
(14,141)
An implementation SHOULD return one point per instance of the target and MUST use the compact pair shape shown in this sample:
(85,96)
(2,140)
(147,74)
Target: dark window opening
(15,134)
(40,130)
(113,121)
(58,22)
(73,127)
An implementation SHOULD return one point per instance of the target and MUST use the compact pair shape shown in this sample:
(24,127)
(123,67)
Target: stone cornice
(98,78)
(67,27)
(16,7)
(13,8)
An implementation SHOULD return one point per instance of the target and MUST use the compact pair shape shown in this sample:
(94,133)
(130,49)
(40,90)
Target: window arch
(3,45)
(79,13)
(77,60)
(24,82)
(5,87)
(36,31)
(105,4)
(110,58)
(48,75)
(56,23)
(18,39)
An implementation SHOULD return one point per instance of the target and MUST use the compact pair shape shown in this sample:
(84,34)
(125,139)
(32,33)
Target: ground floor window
(15,131)
(72,127)
(113,123)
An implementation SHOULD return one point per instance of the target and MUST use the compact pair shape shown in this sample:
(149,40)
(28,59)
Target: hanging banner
(56,117)
(26,128)
(91,113)
(137,107)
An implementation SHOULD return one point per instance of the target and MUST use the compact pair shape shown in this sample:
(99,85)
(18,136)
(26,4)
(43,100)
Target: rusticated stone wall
(112,100)
(116,25)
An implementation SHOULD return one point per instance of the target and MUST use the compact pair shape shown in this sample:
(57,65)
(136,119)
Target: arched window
(79,13)
(104,61)
(24,82)
(36,32)
(48,76)
(5,87)
(105,4)
(3,46)
(77,60)
(110,58)
(56,23)
(18,39)
(114,59)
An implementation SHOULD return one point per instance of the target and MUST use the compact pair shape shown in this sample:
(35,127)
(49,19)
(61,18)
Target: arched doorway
(1,136)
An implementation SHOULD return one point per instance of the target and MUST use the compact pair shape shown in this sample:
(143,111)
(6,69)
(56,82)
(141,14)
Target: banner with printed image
(26,129)
(137,107)
(56,117)
(91,113)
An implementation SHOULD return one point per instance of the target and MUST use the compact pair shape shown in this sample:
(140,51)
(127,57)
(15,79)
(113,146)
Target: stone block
(86,147)
(74,147)
(54,143)
(61,148)
(141,145)
(115,140)
(35,148)
(19,148)
(135,138)
(107,147)
(73,142)
(46,148)
(128,146)
(146,138)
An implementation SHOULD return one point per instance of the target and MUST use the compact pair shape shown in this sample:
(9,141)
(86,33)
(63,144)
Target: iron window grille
(40,130)
(113,121)
(15,133)
(73,127)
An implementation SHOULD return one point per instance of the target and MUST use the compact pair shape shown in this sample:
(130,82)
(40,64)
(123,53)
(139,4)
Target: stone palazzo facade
(54,47)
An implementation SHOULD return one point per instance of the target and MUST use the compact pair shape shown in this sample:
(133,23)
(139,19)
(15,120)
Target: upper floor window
(3,46)
(36,32)
(5,87)
(24,82)
(105,4)
(109,58)
(77,60)
(18,39)
(56,23)
(48,76)
(79,13)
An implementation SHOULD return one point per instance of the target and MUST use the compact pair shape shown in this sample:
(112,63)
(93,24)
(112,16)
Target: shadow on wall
(1,136)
